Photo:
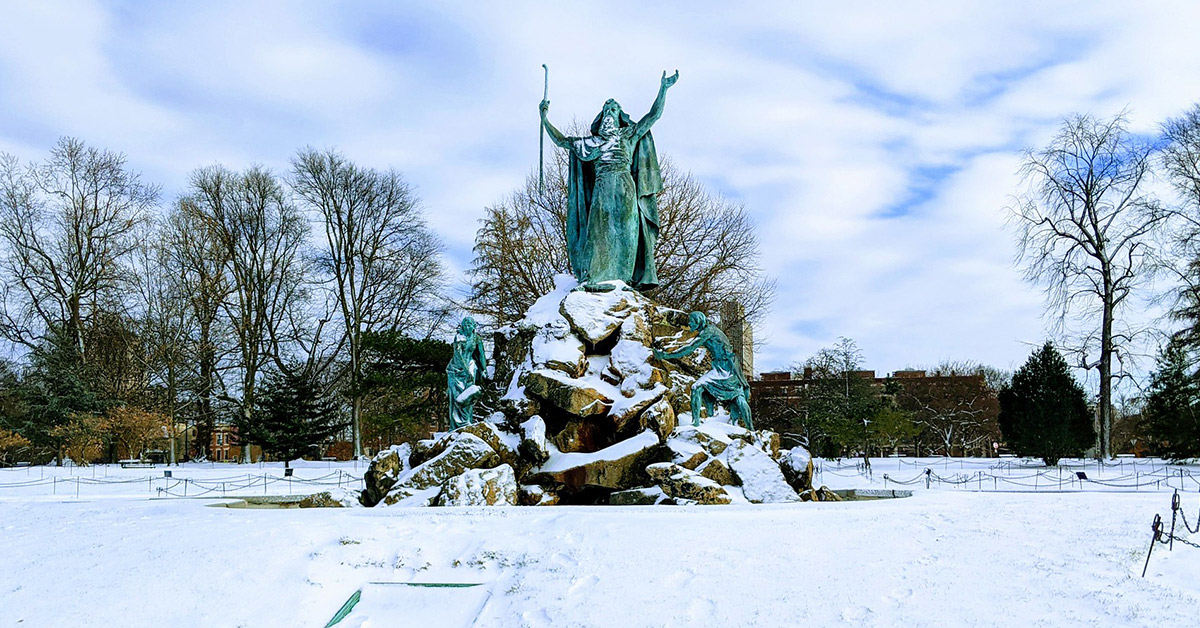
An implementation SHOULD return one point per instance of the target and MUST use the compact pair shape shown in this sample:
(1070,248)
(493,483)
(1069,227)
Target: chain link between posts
(1168,537)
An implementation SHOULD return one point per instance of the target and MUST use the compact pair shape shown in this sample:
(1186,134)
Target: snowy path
(941,558)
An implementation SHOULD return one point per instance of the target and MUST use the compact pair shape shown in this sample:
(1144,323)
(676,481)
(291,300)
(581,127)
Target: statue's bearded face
(610,118)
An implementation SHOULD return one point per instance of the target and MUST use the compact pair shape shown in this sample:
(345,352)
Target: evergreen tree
(403,387)
(1044,412)
(1171,413)
(57,388)
(292,419)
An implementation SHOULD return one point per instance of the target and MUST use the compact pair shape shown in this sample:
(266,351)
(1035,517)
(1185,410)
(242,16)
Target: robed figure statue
(467,364)
(612,187)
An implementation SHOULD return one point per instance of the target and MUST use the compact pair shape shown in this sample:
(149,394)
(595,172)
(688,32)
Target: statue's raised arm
(556,136)
(656,109)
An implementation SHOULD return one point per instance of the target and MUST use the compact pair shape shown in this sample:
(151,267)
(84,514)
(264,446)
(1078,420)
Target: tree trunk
(1104,434)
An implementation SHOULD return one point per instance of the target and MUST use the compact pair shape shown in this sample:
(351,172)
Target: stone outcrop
(762,480)
(616,467)
(682,484)
(481,487)
(652,496)
(585,414)
(570,395)
(797,467)
(464,451)
(384,471)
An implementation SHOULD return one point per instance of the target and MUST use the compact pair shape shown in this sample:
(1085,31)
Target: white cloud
(874,144)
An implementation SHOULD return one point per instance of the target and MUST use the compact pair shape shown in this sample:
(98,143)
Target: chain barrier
(193,487)
(1168,537)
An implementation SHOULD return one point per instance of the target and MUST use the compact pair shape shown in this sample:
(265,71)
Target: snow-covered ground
(951,555)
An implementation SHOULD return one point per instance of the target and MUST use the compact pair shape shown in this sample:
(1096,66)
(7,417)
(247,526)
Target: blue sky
(875,146)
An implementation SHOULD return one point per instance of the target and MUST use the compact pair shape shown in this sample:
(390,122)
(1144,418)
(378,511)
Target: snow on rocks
(533,440)
(585,411)
(465,451)
(680,483)
(504,444)
(534,495)
(555,347)
(762,480)
(386,468)
(797,466)
(596,316)
(568,394)
(659,417)
(615,467)
(481,487)
(652,496)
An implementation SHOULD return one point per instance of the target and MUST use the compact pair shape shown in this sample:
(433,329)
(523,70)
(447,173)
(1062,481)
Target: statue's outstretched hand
(544,107)
(668,81)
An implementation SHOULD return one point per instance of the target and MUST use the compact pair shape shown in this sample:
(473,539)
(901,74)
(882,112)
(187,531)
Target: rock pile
(586,414)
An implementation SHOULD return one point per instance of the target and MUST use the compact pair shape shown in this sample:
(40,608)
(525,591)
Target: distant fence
(163,486)
(1013,475)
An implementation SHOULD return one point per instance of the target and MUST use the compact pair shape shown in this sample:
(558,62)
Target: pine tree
(1171,413)
(1044,412)
(292,417)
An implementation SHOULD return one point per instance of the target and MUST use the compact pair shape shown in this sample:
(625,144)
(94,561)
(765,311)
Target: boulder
(384,471)
(570,395)
(555,347)
(413,497)
(481,487)
(659,417)
(616,467)
(426,448)
(640,497)
(637,327)
(797,467)
(718,472)
(768,441)
(822,494)
(596,316)
(504,444)
(631,361)
(533,440)
(688,434)
(324,499)
(466,451)
(686,454)
(584,435)
(761,479)
(534,495)
(681,483)
(516,406)
(625,410)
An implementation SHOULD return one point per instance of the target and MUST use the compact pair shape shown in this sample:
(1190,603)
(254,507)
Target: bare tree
(261,235)
(381,256)
(707,251)
(68,228)
(193,261)
(1180,158)
(955,404)
(1084,234)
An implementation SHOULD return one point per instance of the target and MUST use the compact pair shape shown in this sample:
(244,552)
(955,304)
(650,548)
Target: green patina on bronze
(725,382)
(466,366)
(612,206)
